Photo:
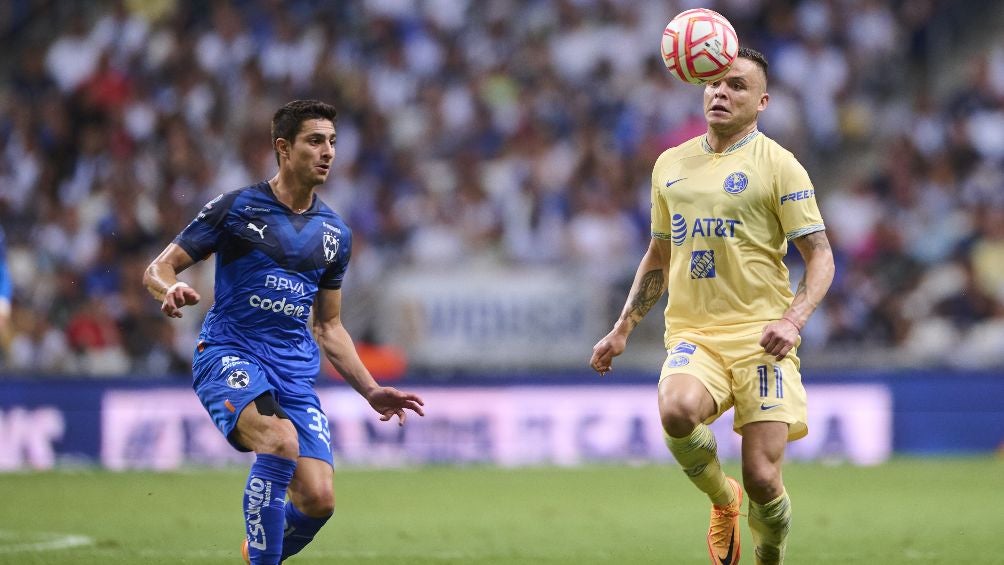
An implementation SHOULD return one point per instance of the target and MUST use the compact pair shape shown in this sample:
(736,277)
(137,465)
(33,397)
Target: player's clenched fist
(177,296)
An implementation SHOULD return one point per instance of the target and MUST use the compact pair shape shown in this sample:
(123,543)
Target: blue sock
(300,529)
(264,503)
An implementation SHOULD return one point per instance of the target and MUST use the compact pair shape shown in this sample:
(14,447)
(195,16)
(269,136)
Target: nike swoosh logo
(727,560)
(670,183)
(768,406)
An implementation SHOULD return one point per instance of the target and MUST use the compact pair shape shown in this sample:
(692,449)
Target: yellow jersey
(729,217)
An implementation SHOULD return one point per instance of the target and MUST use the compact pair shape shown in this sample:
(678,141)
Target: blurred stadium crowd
(488,134)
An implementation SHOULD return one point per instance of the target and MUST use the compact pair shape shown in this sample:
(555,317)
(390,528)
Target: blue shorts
(227,379)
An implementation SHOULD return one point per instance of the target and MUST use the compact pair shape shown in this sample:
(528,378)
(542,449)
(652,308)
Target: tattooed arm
(819,270)
(648,287)
(781,335)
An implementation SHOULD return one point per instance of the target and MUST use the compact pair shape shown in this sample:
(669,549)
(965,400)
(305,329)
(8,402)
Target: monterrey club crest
(330,247)
(736,182)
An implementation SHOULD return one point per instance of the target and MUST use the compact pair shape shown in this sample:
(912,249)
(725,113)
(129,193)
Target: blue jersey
(270,264)
(5,284)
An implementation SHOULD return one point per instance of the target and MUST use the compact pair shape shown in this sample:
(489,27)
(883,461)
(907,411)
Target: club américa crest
(736,182)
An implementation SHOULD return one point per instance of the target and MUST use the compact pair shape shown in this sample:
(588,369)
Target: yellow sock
(698,455)
(769,524)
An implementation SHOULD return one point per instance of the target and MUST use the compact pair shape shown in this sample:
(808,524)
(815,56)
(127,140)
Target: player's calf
(770,523)
(299,530)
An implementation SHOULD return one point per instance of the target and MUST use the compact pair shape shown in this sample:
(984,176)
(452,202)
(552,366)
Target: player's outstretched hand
(779,337)
(178,296)
(612,345)
(390,402)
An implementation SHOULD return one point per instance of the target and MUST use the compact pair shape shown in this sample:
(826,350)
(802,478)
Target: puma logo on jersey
(260,231)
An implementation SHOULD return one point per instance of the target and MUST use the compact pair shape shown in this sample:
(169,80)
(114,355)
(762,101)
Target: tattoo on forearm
(811,246)
(801,286)
(817,240)
(649,292)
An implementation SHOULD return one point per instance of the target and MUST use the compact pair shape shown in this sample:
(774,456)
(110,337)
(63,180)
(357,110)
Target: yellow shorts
(738,372)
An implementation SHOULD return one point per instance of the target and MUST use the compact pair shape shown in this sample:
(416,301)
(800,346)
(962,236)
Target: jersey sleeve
(203,235)
(661,228)
(795,200)
(332,277)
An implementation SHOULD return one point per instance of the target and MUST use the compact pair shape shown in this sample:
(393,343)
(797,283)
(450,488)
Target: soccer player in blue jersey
(725,207)
(281,254)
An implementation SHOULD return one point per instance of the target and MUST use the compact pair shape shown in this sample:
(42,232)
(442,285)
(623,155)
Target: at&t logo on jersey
(703,227)
(679,229)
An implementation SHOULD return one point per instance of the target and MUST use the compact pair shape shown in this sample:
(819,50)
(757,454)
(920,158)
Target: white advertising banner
(28,437)
(160,429)
(493,319)
(510,426)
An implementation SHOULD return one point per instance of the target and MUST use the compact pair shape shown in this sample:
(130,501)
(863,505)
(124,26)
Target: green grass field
(910,511)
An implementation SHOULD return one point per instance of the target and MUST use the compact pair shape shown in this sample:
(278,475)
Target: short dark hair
(287,120)
(757,57)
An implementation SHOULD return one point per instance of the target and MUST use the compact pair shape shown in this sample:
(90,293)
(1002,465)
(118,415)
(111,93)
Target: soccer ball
(699,46)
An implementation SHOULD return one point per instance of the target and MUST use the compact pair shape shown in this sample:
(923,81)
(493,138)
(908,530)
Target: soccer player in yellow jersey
(725,206)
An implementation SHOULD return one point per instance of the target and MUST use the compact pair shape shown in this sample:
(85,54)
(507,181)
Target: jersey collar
(267,189)
(746,139)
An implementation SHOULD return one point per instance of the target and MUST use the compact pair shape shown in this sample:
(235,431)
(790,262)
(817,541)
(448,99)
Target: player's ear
(764,98)
(282,147)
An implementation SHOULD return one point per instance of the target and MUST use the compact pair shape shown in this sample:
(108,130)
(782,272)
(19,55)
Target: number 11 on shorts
(762,372)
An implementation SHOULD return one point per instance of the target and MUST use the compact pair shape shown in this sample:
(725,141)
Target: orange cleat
(723,534)
(244,552)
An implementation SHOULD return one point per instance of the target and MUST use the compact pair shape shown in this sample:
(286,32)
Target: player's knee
(679,418)
(315,498)
(318,503)
(762,481)
(683,404)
